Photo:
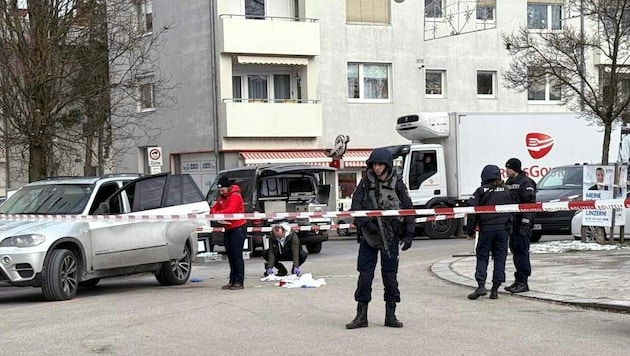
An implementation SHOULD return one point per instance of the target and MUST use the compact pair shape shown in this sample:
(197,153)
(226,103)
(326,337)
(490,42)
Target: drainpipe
(214,82)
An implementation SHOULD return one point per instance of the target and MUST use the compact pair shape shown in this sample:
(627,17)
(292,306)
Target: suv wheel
(314,247)
(60,278)
(176,271)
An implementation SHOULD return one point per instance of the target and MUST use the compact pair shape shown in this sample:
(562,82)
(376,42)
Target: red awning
(351,159)
(318,158)
(355,158)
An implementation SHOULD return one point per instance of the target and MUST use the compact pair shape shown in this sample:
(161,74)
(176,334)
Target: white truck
(461,144)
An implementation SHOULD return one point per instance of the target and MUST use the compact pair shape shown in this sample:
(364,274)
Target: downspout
(214,83)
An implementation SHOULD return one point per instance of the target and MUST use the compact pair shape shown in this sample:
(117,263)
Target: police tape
(443,212)
(321,227)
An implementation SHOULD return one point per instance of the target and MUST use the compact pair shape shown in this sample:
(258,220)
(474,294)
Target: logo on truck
(538,144)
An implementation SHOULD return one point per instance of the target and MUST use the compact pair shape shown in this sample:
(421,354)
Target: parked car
(64,254)
(345,231)
(277,188)
(596,233)
(559,184)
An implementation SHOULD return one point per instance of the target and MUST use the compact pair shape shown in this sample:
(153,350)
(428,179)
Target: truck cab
(422,165)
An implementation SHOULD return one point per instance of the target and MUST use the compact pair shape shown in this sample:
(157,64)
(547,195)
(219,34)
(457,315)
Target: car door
(126,241)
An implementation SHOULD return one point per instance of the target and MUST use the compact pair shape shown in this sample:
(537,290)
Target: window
(486,84)
(543,87)
(145,15)
(423,166)
(485,10)
(433,8)
(255,9)
(368,11)
(147,97)
(262,87)
(544,16)
(368,81)
(435,83)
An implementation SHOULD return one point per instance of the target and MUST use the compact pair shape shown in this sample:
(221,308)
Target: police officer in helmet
(493,230)
(381,189)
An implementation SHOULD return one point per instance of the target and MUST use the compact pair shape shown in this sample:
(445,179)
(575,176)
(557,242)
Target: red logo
(538,144)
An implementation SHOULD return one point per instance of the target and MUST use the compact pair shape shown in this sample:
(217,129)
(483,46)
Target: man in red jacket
(231,202)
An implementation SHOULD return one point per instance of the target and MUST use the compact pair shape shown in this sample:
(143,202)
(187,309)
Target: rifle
(381,227)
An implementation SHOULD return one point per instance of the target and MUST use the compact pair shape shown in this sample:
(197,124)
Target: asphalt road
(135,316)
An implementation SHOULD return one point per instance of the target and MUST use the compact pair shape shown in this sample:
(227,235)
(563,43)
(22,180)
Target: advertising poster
(598,184)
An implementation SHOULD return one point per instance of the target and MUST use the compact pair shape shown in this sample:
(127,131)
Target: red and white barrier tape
(442,211)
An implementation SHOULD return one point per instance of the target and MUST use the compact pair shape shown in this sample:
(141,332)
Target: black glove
(525,229)
(406,243)
(371,227)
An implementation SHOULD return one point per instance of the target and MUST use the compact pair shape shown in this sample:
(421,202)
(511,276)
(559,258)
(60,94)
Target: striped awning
(296,61)
(351,159)
(355,159)
(317,158)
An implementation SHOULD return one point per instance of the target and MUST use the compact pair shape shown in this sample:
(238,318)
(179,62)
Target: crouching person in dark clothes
(493,230)
(381,189)
(284,245)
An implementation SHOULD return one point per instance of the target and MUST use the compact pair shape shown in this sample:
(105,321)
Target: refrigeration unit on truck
(442,165)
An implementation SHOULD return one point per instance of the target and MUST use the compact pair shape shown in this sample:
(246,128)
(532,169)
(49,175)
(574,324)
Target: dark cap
(224,182)
(514,164)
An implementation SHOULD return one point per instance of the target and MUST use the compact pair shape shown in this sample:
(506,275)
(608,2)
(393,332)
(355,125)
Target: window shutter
(486,3)
(353,10)
(546,2)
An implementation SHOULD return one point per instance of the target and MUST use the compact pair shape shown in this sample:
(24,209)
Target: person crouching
(284,245)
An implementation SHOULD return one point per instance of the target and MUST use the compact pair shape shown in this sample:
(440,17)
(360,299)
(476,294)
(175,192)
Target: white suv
(61,253)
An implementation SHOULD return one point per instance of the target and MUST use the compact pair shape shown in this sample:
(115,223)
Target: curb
(444,270)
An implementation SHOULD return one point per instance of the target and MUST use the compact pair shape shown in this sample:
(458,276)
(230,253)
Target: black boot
(508,288)
(520,288)
(494,292)
(480,291)
(282,271)
(360,321)
(390,315)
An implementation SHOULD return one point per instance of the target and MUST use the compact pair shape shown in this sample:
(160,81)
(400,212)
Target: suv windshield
(562,178)
(48,199)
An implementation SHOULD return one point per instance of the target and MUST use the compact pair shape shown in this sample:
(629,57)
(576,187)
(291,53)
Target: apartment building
(278,80)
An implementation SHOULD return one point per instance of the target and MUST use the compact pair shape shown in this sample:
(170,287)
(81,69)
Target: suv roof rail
(109,175)
(61,177)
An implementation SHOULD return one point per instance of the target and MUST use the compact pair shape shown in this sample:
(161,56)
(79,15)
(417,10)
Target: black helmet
(380,155)
(490,173)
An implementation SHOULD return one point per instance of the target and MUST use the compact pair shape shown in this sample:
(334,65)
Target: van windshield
(562,178)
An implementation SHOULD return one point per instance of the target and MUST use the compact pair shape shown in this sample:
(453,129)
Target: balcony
(282,118)
(269,35)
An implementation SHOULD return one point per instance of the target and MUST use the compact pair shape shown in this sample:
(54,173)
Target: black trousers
(495,241)
(519,245)
(283,257)
(366,264)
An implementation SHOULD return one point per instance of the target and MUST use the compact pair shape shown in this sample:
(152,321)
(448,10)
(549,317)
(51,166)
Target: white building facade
(278,80)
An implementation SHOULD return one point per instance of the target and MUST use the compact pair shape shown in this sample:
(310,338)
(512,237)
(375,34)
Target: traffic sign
(155,156)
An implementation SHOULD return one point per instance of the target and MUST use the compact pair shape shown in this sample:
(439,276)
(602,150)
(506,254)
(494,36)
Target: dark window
(174,191)
(423,165)
(105,191)
(255,9)
(148,194)
(191,192)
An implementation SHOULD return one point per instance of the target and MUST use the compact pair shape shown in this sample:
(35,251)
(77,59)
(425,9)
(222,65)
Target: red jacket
(231,203)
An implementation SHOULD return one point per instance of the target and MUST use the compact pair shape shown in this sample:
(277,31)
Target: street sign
(340,147)
(155,156)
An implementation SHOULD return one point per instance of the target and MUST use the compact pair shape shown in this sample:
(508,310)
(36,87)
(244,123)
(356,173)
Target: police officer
(523,190)
(493,230)
(381,189)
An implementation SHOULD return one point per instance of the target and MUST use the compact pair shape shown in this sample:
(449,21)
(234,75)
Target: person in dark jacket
(493,230)
(381,189)
(523,190)
(231,202)
(284,245)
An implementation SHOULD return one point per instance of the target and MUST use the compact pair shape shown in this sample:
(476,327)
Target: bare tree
(70,78)
(559,58)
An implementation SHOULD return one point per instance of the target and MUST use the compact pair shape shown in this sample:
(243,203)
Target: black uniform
(493,230)
(523,190)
